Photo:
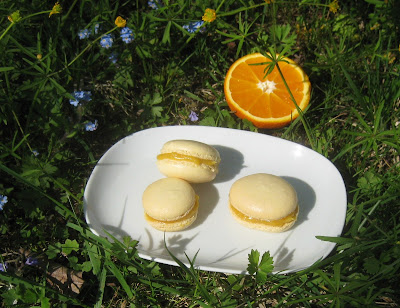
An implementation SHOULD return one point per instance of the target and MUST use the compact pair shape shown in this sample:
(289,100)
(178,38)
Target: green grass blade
(120,277)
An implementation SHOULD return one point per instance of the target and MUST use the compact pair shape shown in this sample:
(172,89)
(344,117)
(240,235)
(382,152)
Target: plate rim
(330,245)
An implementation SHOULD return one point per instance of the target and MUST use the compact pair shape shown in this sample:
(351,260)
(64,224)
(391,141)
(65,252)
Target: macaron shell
(172,226)
(190,172)
(168,199)
(193,148)
(261,226)
(263,196)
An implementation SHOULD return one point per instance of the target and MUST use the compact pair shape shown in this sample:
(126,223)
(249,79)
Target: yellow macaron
(264,202)
(191,160)
(170,204)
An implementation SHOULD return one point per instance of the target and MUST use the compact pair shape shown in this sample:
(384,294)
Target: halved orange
(264,100)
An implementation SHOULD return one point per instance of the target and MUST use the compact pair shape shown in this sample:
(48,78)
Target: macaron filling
(188,158)
(192,212)
(273,223)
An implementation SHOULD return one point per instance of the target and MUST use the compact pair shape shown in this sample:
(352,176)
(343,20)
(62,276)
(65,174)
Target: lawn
(76,77)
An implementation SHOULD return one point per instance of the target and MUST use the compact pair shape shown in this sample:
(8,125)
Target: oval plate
(113,200)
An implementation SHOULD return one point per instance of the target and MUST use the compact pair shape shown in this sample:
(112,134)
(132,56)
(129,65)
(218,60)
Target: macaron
(193,161)
(170,204)
(264,202)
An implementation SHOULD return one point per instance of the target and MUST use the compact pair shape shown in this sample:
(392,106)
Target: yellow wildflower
(390,57)
(375,26)
(56,9)
(209,15)
(14,17)
(334,6)
(269,1)
(120,22)
(39,56)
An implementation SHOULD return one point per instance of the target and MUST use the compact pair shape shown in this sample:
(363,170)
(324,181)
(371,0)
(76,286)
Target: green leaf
(102,278)
(337,240)
(45,302)
(87,266)
(372,265)
(166,37)
(208,121)
(266,263)
(254,256)
(157,111)
(94,256)
(70,246)
(120,277)
(53,250)
(261,269)
(6,68)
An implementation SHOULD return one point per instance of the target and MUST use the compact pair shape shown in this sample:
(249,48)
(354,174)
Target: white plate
(113,200)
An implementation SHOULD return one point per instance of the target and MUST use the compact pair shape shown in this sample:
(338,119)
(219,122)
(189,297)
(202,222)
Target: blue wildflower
(193,26)
(32,261)
(193,116)
(96,28)
(113,57)
(106,41)
(84,34)
(154,4)
(3,201)
(3,267)
(83,95)
(74,102)
(127,35)
(80,96)
(90,126)
(35,152)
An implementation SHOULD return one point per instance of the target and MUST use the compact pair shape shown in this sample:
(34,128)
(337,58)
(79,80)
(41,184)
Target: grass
(349,49)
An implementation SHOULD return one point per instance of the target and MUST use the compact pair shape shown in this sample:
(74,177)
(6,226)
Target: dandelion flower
(127,35)
(193,116)
(334,6)
(193,26)
(83,34)
(57,9)
(120,22)
(90,126)
(3,201)
(106,41)
(209,15)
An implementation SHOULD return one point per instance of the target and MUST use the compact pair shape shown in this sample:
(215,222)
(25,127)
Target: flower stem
(83,51)
(6,30)
(20,20)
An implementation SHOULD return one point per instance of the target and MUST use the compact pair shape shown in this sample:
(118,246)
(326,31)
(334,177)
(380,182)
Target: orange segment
(265,101)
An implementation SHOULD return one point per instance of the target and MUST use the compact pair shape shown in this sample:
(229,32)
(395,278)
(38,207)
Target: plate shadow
(231,163)
(306,196)
(208,200)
